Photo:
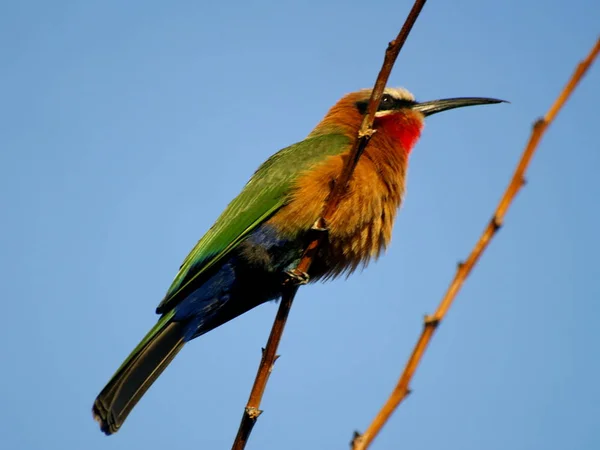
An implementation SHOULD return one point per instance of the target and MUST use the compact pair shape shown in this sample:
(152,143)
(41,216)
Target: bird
(254,246)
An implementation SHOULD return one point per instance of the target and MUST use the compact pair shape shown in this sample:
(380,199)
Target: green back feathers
(263,195)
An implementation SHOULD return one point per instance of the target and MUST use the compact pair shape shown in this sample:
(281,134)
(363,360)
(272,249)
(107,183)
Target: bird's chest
(361,226)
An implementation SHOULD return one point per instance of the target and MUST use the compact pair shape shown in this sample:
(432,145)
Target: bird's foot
(296,277)
(320,225)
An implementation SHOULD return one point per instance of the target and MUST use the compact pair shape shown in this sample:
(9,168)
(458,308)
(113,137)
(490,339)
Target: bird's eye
(387,100)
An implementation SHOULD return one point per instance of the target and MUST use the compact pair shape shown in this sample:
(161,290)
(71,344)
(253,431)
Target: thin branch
(366,128)
(402,390)
(252,410)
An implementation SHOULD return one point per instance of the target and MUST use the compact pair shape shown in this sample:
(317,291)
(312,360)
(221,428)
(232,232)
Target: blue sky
(125,129)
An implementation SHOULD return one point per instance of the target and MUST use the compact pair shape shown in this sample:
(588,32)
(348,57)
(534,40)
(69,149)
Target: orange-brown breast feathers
(362,225)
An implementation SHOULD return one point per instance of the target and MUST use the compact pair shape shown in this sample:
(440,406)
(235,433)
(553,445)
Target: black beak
(436,106)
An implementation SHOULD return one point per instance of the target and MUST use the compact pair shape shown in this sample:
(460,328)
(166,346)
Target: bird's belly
(357,232)
(348,248)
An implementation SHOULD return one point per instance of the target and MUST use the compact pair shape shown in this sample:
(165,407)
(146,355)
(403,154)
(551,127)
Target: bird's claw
(296,277)
(320,225)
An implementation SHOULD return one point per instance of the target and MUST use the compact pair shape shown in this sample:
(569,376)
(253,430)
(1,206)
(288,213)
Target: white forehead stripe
(399,93)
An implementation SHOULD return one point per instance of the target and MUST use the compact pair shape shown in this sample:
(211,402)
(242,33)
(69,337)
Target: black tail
(137,374)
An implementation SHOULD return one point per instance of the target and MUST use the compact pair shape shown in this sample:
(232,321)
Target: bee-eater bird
(259,239)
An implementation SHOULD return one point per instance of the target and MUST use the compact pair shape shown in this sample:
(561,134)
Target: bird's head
(399,115)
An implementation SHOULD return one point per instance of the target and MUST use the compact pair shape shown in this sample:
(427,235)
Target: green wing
(263,195)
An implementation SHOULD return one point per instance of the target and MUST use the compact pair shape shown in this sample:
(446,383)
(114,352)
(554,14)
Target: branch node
(460,265)
(432,321)
(356,438)
(539,124)
(253,412)
(496,223)
(366,133)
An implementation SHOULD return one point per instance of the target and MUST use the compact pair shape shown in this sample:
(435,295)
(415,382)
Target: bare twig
(464,269)
(252,411)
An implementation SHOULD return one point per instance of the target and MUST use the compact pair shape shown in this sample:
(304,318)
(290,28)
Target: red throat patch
(403,127)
